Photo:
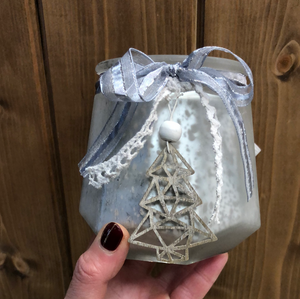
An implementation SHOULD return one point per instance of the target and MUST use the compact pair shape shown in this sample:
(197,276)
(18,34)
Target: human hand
(101,273)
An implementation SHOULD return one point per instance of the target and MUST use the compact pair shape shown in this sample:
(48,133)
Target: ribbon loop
(137,78)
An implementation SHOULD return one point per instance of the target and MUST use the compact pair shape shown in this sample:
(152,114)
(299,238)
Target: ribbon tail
(237,120)
(109,137)
(241,133)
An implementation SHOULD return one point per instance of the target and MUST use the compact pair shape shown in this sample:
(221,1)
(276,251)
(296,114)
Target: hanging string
(172,110)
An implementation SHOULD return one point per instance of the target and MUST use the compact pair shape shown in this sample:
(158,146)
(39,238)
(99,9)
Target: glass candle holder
(119,200)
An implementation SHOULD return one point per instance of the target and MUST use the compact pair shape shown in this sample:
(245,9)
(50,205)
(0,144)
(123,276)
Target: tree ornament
(170,202)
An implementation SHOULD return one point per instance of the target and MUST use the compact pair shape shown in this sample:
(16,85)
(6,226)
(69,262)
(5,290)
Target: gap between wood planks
(62,229)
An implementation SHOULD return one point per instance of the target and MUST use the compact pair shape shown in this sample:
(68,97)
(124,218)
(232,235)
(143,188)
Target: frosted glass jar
(119,200)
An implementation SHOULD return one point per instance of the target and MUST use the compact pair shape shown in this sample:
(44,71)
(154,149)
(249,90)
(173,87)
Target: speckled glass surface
(119,200)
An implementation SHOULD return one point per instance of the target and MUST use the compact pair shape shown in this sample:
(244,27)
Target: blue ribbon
(137,78)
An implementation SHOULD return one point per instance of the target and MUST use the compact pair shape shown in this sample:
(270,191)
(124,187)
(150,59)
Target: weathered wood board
(49,50)
(34,260)
(266,34)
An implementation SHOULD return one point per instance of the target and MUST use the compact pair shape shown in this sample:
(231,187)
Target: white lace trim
(217,147)
(103,173)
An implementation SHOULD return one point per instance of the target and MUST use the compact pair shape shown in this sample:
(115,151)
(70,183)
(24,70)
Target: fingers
(199,282)
(138,268)
(100,263)
(173,275)
(132,281)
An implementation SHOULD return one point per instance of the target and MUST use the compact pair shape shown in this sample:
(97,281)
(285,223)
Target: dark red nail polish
(111,236)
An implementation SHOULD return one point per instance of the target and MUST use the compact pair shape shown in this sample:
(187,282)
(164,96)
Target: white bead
(170,131)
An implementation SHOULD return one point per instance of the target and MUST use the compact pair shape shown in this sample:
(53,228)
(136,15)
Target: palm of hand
(175,281)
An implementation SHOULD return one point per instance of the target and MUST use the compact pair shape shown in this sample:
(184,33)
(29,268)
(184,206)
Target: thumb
(100,263)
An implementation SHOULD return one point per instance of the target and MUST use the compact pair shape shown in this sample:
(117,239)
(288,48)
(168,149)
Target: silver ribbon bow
(137,78)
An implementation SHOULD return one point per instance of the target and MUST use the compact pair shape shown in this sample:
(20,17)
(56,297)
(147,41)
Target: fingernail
(111,236)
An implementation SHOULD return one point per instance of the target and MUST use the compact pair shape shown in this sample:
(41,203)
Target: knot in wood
(2,259)
(285,63)
(13,262)
(287,60)
(20,265)
(3,107)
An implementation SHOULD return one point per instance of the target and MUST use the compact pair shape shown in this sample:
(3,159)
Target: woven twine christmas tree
(171,225)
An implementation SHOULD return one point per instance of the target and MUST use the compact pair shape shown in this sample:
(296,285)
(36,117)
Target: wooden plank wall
(33,255)
(48,52)
(267,35)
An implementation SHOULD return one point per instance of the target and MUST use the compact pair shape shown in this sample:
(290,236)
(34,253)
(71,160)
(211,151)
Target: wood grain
(266,35)
(33,259)
(80,34)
